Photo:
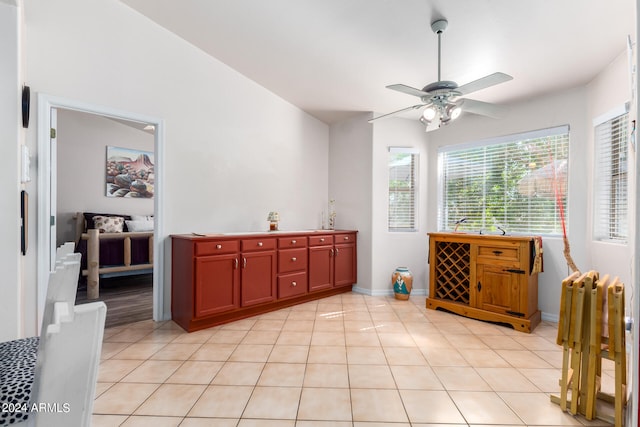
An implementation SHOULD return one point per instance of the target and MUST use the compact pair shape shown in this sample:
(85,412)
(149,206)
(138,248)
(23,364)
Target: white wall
(234,151)
(608,91)
(358,179)
(395,249)
(350,184)
(567,107)
(10,139)
(82,140)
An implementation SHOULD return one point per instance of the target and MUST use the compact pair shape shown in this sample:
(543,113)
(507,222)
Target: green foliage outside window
(515,186)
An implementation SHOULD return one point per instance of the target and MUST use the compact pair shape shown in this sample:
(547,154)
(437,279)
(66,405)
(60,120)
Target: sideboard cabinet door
(258,277)
(216,284)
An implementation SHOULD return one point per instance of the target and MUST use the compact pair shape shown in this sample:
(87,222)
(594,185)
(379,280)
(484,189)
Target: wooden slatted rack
(452,271)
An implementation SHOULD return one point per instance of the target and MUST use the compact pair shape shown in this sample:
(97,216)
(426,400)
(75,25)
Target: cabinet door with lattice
(452,271)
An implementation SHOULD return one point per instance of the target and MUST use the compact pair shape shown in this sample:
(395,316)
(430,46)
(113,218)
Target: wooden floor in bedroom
(129,299)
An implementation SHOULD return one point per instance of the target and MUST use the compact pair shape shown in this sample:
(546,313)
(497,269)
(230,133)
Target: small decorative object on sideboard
(332,214)
(402,280)
(273,219)
(458,222)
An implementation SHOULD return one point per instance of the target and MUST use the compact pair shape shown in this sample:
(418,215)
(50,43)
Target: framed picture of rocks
(129,173)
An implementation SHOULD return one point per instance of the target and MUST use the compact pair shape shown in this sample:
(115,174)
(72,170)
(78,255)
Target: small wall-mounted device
(26,105)
(25,175)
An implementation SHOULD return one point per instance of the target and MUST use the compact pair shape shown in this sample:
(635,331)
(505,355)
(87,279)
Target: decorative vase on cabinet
(402,280)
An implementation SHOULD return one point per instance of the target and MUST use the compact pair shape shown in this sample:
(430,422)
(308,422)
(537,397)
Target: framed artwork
(129,173)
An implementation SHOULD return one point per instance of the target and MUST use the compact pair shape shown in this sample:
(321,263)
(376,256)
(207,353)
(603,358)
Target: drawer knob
(294,284)
(218,246)
(497,253)
(293,242)
(346,237)
(260,244)
(294,259)
(322,240)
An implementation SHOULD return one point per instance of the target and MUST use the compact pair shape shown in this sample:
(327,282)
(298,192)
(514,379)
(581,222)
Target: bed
(113,244)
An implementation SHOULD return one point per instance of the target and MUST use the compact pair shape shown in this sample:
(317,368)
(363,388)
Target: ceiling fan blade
(408,90)
(483,108)
(484,82)
(413,107)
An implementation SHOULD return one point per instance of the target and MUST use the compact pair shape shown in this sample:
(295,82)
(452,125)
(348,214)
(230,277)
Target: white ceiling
(333,58)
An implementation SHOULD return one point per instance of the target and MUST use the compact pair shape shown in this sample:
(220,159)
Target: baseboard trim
(385,292)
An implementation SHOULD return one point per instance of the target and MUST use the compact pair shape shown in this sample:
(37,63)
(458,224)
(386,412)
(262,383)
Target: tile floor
(347,360)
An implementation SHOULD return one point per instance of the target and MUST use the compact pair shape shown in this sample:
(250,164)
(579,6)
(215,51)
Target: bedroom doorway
(120,188)
(49,221)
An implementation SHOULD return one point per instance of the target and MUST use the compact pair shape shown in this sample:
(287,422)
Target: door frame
(43,241)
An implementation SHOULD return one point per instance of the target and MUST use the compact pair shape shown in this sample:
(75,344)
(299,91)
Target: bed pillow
(141,218)
(109,224)
(88,218)
(139,225)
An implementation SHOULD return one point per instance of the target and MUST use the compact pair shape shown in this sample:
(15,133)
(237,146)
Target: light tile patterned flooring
(347,360)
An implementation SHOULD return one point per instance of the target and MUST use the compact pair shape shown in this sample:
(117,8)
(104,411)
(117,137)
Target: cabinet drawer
(258,244)
(292,284)
(345,238)
(217,247)
(292,260)
(321,240)
(499,254)
(292,242)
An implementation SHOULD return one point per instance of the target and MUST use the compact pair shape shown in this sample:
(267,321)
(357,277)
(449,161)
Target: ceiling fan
(442,99)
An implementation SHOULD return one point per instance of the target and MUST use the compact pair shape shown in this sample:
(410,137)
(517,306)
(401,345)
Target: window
(403,173)
(610,185)
(517,183)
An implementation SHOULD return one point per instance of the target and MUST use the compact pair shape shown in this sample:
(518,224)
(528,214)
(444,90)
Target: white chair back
(67,366)
(65,249)
(62,286)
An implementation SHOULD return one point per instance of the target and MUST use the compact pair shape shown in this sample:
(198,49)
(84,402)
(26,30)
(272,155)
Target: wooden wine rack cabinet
(484,277)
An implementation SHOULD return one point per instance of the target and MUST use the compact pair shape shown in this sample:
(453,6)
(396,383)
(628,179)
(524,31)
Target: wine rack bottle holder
(452,271)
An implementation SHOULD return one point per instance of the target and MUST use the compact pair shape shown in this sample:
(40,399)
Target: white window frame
(611,178)
(481,222)
(392,220)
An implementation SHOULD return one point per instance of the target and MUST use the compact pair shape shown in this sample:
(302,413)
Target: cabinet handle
(479,286)
(337,251)
(244,262)
(218,246)
(235,264)
(294,259)
(294,284)
(260,244)
(497,253)
(330,252)
(293,242)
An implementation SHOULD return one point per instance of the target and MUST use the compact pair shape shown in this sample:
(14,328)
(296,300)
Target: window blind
(517,183)
(403,173)
(610,184)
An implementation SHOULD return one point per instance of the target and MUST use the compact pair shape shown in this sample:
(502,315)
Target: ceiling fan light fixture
(454,110)
(438,96)
(445,118)
(429,113)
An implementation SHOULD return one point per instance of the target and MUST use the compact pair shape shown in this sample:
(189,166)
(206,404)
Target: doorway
(47,177)
(85,187)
